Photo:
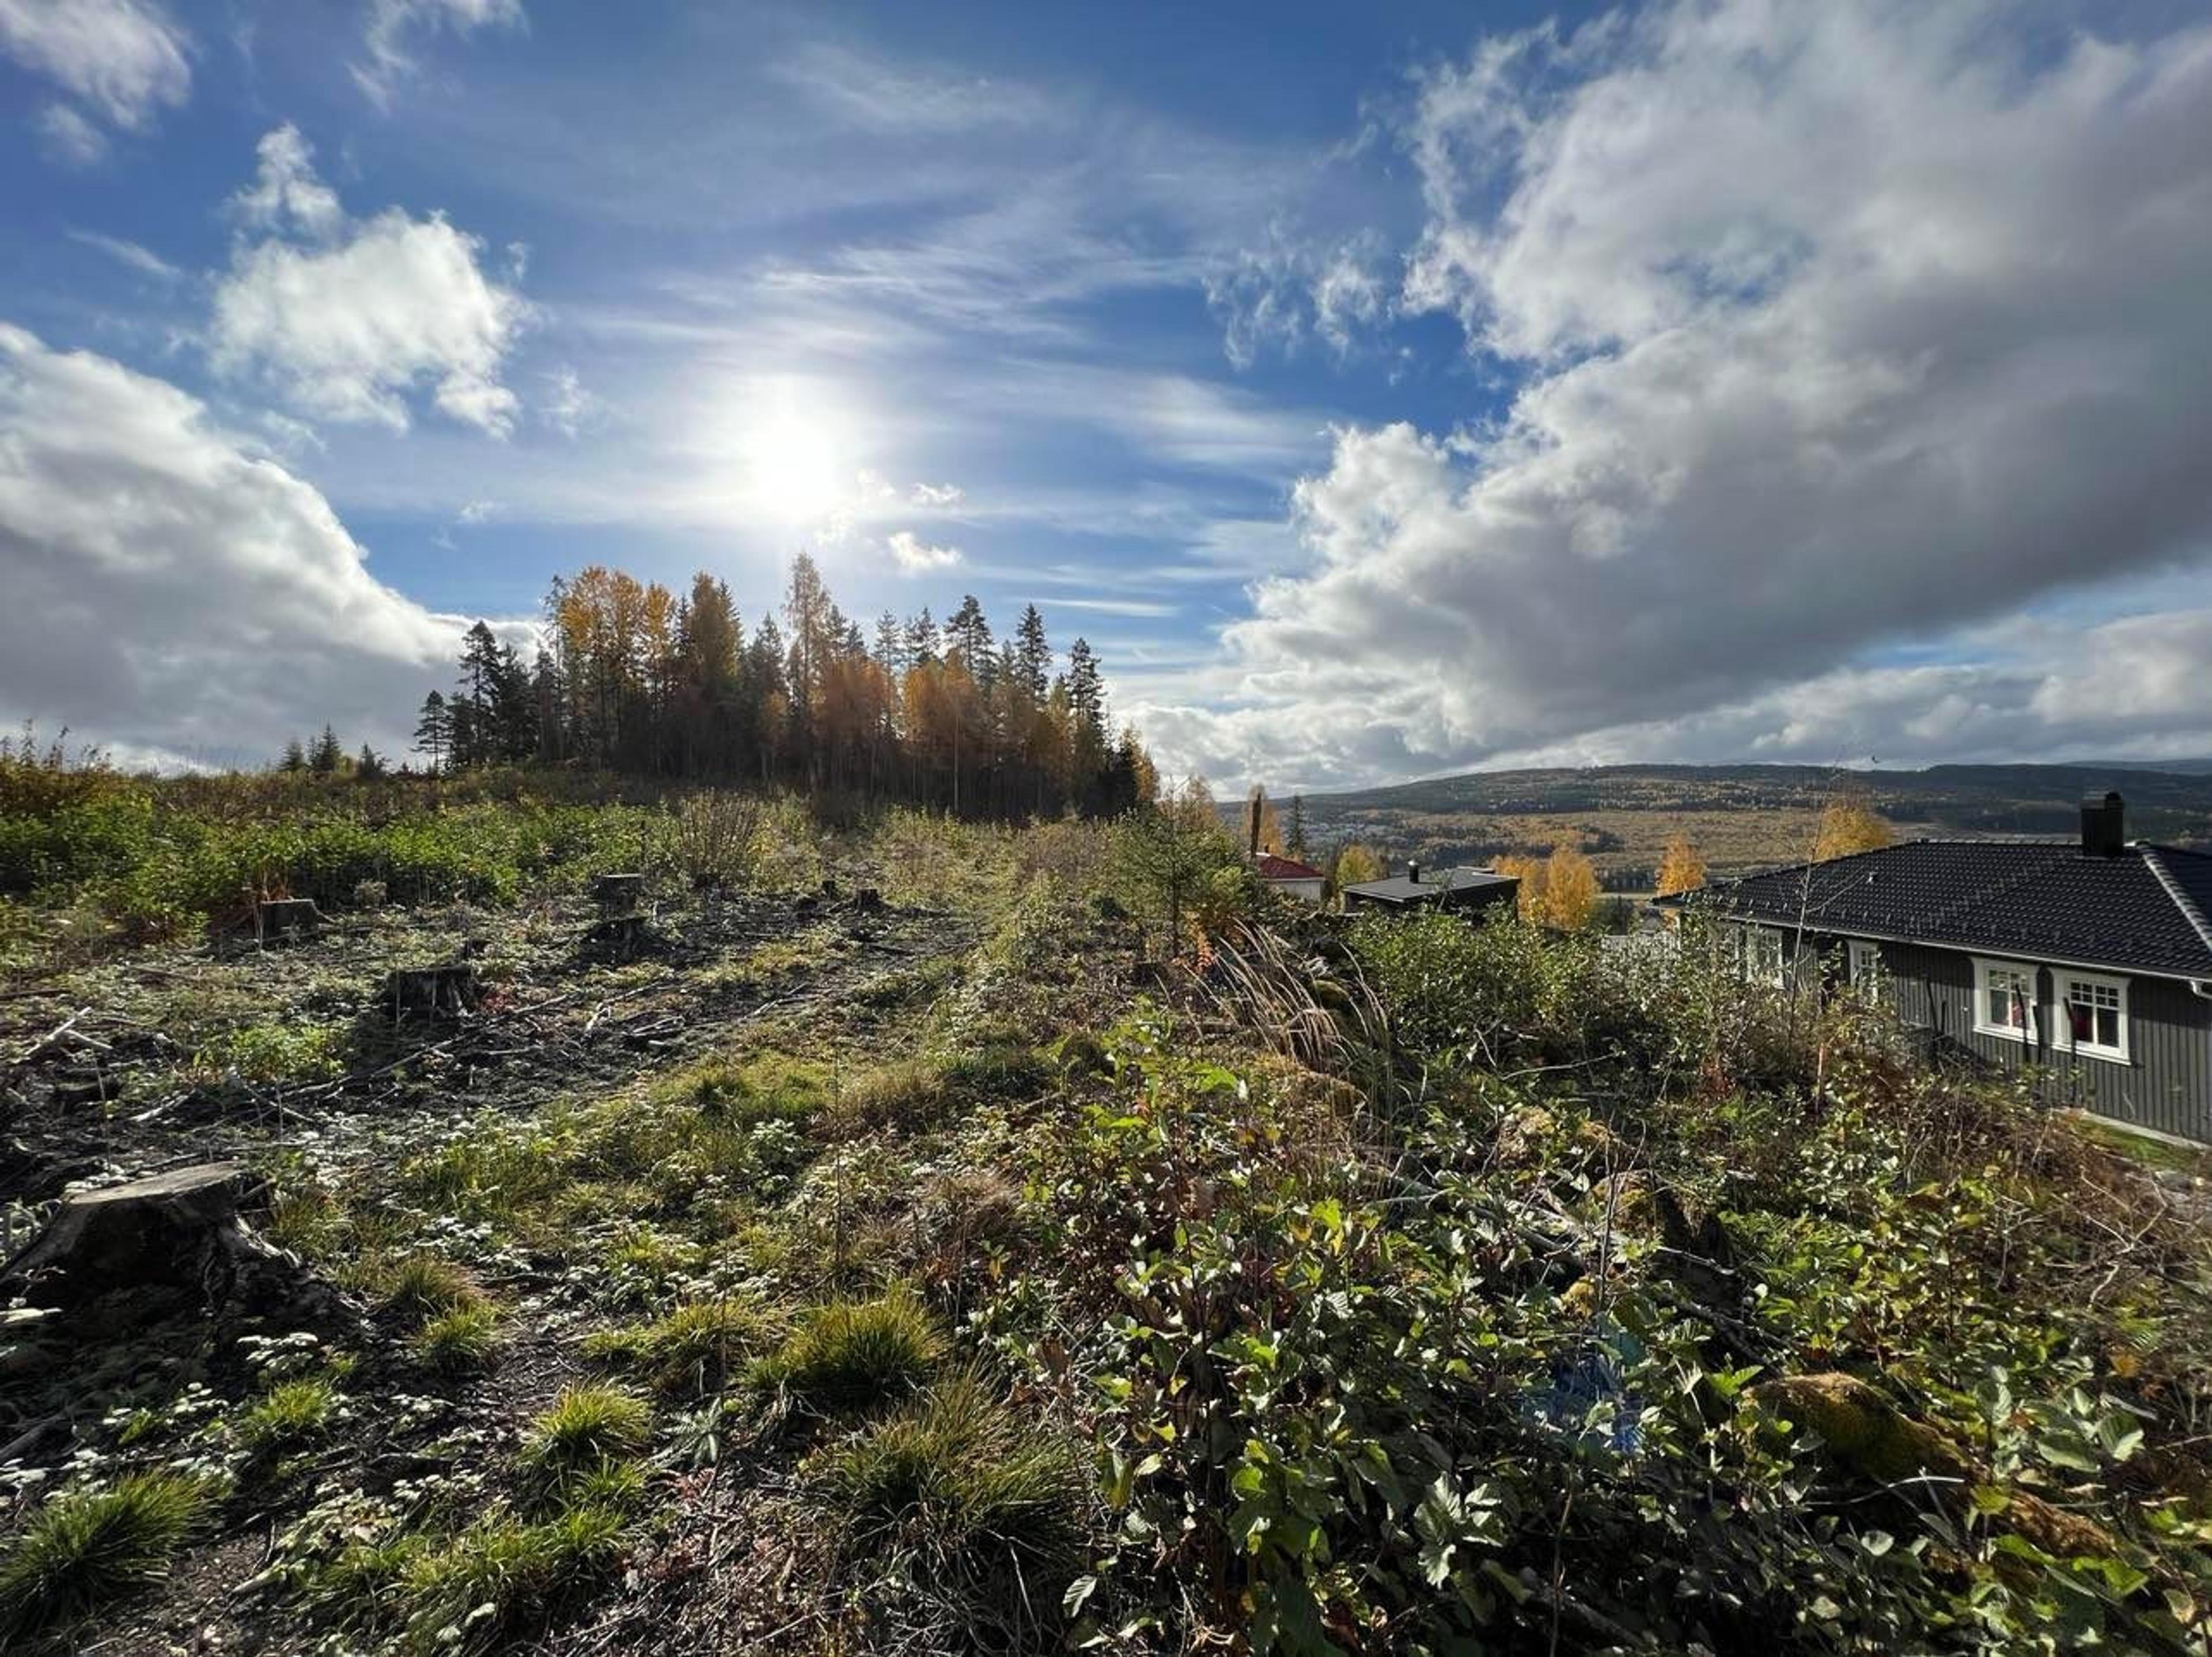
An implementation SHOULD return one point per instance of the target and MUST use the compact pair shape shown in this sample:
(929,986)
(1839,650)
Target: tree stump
(620,936)
(280,919)
(116,1261)
(618,894)
(446,992)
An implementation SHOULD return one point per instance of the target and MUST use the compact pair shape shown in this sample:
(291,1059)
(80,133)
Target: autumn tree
(1568,900)
(1681,868)
(1353,865)
(1850,824)
(1170,850)
(1528,895)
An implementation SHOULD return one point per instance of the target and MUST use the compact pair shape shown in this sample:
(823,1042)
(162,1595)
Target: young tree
(1296,845)
(433,730)
(326,758)
(1849,824)
(1570,892)
(368,766)
(1528,897)
(1354,865)
(295,757)
(1681,869)
(1172,849)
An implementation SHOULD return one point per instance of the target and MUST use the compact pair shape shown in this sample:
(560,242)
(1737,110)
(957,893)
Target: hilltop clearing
(872,1240)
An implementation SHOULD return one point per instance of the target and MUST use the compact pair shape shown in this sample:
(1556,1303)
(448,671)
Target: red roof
(1275,868)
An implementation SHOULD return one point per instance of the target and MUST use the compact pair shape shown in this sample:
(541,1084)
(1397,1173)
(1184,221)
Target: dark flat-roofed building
(2089,959)
(1471,890)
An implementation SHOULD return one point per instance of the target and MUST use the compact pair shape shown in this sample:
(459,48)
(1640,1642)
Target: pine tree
(295,756)
(326,758)
(433,730)
(368,766)
(1297,846)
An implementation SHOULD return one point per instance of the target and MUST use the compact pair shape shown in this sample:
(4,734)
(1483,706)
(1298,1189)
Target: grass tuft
(423,1286)
(694,1351)
(85,1548)
(288,1414)
(588,1427)
(461,1341)
(854,1352)
(501,1575)
(977,1502)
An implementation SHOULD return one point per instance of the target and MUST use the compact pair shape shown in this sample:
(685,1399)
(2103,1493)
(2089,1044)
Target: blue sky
(1385,391)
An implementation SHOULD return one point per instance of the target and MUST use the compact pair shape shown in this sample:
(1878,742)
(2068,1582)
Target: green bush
(83,1548)
(856,1352)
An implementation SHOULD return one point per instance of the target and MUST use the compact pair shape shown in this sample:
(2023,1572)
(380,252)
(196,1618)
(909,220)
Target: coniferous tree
(295,756)
(327,757)
(433,730)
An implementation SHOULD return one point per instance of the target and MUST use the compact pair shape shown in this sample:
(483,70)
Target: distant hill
(1741,815)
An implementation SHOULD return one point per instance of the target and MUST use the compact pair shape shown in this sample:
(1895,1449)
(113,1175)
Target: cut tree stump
(285,918)
(446,992)
(618,894)
(150,1248)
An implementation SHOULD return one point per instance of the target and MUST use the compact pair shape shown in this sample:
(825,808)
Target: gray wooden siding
(2166,1085)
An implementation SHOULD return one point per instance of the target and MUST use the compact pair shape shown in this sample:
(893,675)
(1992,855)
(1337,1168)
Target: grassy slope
(832,1278)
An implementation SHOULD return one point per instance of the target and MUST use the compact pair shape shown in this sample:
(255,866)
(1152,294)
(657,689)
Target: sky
(1384,391)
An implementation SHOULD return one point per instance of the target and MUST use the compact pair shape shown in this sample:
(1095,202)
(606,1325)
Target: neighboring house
(2088,960)
(1469,891)
(1289,877)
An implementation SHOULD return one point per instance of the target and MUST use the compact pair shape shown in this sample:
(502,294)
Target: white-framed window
(2004,999)
(1762,954)
(1863,964)
(2092,1013)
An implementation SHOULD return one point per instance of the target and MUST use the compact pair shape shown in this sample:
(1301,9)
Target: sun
(798,463)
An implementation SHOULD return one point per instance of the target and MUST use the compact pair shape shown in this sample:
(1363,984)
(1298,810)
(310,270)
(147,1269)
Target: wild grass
(588,1427)
(912,1095)
(850,1353)
(461,1341)
(693,1352)
(421,1287)
(288,1415)
(85,1548)
(746,1092)
(976,1503)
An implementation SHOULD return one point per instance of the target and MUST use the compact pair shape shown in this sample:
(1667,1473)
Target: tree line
(630,677)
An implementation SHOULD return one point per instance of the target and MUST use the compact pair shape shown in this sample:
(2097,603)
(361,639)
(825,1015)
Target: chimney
(2104,826)
(1413,873)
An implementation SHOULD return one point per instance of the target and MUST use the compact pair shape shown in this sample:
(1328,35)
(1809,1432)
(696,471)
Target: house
(1470,891)
(1289,877)
(2087,960)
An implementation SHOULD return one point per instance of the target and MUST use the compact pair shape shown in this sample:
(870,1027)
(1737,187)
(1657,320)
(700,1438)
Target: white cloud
(392,24)
(129,254)
(473,513)
(123,61)
(913,557)
(566,406)
(1835,327)
(938,494)
(175,588)
(66,136)
(345,320)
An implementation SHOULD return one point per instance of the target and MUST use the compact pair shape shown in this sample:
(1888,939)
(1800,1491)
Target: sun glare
(799,464)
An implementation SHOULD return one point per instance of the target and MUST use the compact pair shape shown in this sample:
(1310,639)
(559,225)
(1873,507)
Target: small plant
(854,1352)
(423,1286)
(586,1427)
(288,1414)
(975,1499)
(695,1349)
(502,1572)
(459,1342)
(83,1548)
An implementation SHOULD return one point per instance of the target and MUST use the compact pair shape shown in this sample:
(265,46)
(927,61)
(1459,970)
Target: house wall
(2167,1085)
(1308,889)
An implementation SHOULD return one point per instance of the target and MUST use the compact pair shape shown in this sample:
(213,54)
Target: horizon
(1386,397)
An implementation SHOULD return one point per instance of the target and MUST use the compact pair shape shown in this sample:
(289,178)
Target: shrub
(459,1342)
(83,1548)
(714,839)
(975,1500)
(586,1427)
(693,1350)
(854,1352)
(423,1286)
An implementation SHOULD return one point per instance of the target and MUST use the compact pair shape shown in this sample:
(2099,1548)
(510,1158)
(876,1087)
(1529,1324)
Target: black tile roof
(2143,910)
(1401,890)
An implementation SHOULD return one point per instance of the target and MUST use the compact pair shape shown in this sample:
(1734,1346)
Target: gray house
(1469,891)
(2089,961)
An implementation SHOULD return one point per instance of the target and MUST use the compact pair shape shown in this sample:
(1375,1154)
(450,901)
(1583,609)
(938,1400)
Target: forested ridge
(630,677)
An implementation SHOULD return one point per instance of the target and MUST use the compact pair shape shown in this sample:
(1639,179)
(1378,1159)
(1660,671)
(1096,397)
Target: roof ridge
(2154,857)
